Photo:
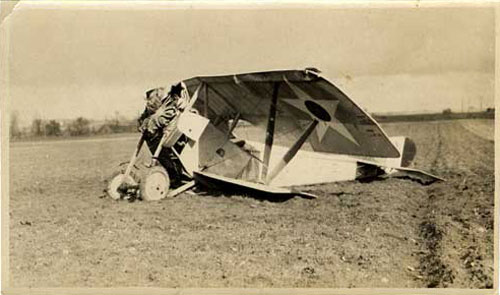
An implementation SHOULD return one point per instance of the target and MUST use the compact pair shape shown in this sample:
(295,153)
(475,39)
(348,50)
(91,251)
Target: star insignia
(330,106)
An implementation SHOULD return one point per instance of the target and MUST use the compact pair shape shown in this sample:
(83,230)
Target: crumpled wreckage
(305,131)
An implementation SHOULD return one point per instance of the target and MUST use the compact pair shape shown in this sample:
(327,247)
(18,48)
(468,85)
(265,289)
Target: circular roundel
(317,111)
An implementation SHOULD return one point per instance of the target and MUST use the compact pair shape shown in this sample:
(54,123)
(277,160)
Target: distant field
(484,128)
(42,139)
(64,232)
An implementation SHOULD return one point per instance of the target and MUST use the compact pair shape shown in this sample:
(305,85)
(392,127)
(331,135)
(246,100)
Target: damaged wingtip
(312,71)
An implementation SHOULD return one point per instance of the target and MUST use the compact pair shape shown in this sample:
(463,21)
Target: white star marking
(328,105)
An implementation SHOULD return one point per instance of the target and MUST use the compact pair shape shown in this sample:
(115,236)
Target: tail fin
(407,149)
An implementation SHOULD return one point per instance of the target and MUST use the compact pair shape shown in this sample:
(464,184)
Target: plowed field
(389,233)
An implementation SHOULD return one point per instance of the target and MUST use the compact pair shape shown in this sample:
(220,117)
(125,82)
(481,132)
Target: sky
(95,63)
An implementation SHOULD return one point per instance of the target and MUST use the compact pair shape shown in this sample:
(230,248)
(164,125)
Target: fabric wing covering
(302,96)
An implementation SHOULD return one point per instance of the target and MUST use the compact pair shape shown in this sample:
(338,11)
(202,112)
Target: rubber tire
(112,186)
(114,183)
(155,184)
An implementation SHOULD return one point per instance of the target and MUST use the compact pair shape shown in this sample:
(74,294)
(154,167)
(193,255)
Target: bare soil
(390,233)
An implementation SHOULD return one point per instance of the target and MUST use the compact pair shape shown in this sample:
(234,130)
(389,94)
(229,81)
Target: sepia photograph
(247,146)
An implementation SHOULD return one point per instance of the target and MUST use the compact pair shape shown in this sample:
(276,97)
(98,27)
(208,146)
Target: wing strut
(270,130)
(292,151)
(205,86)
(233,124)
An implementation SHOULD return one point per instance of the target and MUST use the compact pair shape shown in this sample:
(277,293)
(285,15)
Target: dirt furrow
(435,272)
(452,234)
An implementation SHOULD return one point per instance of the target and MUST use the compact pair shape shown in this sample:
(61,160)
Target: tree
(15,132)
(447,111)
(53,128)
(37,128)
(80,126)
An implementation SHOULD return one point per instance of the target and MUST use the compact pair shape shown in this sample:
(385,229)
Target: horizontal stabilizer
(367,170)
(414,174)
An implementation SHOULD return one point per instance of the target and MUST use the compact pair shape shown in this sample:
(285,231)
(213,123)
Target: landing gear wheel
(114,184)
(155,184)
(112,188)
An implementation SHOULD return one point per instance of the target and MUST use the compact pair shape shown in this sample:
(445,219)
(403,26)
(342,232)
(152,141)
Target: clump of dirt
(473,262)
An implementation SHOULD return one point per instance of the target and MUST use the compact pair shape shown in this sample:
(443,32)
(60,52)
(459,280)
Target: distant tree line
(446,114)
(78,127)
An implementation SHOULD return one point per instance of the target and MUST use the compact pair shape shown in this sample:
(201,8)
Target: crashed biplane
(310,133)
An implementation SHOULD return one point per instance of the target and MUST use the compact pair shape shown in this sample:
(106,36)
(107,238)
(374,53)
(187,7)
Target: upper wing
(343,128)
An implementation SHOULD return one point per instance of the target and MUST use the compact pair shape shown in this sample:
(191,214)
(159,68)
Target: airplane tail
(407,150)
(396,167)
